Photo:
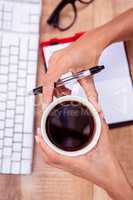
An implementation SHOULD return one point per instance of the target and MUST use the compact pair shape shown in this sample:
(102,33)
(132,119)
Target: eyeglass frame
(54,18)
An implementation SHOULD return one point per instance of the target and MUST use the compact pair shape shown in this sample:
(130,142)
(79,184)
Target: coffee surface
(70,126)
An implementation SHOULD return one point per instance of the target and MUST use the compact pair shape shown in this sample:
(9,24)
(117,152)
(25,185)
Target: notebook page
(113,84)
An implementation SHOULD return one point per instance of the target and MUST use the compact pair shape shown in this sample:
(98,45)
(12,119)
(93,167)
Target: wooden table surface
(47,183)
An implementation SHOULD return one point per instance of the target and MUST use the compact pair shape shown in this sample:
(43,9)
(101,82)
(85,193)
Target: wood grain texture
(47,183)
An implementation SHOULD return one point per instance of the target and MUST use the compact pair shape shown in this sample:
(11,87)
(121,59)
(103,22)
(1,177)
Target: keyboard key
(27,140)
(7,141)
(2,106)
(29,111)
(6,164)
(9,123)
(2,115)
(14,50)
(10,113)
(26,166)
(1,24)
(8,132)
(13,59)
(17,147)
(17,137)
(23,65)
(19,128)
(4,60)
(15,41)
(22,74)
(26,153)
(3,88)
(13,77)
(12,86)
(0,155)
(19,109)
(11,105)
(7,16)
(4,51)
(8,7)
(21,92)
(13,68)
(15,168)
(3,97)
(19,118)
(23,49)
(34,19)
(16,156)
(33,55)
(7,151)
(33,44)
(21,82)
(2,124)
(1,134)
(3,70)
(5,42)
(30,79)
(35,10)
(20,100)
(1,144)
(12,95)
(6,25)
(3,79)
(32,67)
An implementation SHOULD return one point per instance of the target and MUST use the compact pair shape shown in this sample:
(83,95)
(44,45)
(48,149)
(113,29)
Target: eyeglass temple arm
(54,17)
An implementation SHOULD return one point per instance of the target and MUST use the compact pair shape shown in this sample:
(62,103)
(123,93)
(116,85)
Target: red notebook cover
(55,41)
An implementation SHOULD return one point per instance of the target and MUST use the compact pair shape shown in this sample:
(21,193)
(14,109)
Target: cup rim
(93,111)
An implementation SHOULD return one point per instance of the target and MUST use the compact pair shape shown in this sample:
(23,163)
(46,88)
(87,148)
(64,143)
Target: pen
(76,76)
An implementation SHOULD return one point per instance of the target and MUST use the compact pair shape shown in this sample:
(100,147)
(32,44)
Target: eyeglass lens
(65,14)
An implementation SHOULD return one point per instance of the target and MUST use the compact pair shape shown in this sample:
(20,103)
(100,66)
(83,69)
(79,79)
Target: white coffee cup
(95,115)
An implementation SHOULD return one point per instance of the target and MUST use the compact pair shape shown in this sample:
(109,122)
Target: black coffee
(70,126)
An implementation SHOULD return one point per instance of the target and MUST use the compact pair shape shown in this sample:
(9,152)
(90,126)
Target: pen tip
(102,67)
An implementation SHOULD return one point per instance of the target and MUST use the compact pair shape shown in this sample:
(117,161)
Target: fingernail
(37,139)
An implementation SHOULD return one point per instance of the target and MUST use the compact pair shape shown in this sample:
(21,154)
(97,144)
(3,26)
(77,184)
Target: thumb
(56,67)
(49,80)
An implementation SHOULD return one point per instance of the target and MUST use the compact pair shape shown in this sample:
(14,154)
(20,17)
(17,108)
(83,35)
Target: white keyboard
(19,34)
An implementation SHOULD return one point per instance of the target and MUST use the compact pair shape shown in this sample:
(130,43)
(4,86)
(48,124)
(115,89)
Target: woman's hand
(95,166)
(82,54)
(85,52)
(98,166)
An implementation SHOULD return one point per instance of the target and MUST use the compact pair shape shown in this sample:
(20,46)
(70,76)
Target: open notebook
(114,84)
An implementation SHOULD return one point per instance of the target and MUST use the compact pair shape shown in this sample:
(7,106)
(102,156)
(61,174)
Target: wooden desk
(47,183)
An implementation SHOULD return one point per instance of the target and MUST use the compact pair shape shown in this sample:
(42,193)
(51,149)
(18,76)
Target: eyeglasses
(58,17)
